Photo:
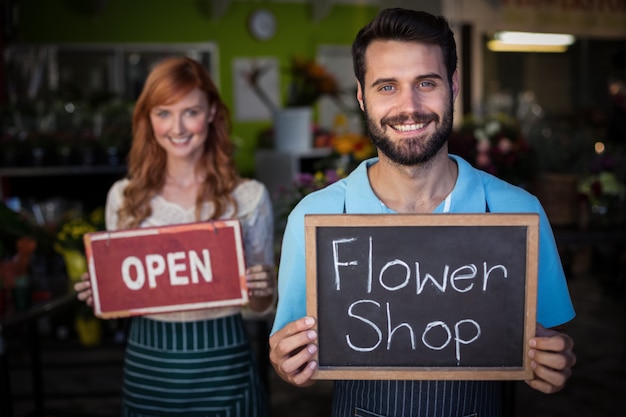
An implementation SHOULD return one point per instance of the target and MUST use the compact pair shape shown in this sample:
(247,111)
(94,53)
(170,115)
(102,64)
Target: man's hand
(552,358)
(291,351)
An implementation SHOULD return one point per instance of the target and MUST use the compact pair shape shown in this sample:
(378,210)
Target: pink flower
(483,146)
(505,145)
(483,160)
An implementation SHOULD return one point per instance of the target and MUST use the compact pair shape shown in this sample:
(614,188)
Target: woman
(180,170)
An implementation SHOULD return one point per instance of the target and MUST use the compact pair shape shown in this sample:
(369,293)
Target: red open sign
(164,269)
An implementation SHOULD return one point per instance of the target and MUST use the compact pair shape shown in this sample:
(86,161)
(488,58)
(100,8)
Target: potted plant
(69,243)
(308,81)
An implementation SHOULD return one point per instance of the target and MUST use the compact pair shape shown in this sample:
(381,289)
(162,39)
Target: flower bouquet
(500,148)
(604,193)
(69,241)
(287,198)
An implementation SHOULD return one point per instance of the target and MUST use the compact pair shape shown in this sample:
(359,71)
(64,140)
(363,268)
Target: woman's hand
(83,289)
(261,280)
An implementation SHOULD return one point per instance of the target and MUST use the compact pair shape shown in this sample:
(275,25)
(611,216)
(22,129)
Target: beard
(414,150)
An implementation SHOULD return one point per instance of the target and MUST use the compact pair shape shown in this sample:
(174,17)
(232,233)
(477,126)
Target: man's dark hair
(396,24)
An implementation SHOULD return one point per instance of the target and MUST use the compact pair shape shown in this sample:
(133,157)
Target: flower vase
(292,129)
(88,329)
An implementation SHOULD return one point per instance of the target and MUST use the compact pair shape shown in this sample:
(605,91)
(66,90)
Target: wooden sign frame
(228,288)
(527,221)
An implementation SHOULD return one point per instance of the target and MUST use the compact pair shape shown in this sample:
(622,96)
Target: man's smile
(408,127)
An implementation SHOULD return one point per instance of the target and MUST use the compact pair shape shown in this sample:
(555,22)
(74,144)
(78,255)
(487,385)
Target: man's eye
(386,88)
(426,84)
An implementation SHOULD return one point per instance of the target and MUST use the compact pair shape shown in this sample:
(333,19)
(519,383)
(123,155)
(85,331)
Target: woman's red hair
(168,82)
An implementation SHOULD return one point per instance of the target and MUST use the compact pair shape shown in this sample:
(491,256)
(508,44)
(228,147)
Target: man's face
(407,100)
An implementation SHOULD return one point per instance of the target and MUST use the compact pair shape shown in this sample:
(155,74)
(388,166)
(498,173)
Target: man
(405,65)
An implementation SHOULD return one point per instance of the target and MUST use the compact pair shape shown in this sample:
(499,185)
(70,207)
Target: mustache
(415,117)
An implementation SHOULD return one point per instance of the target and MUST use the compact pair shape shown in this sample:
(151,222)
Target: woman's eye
(162,114)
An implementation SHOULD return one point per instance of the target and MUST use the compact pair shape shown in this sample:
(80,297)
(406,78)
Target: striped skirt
(202,368)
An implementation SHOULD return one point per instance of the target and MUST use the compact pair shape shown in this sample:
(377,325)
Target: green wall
(188,21)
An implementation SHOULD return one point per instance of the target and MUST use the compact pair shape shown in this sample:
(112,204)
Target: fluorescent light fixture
(530,42)
(530,38)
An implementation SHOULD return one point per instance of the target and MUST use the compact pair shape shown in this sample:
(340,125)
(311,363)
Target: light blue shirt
(472,191)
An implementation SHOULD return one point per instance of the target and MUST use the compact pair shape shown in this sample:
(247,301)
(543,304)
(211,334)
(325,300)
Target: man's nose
(409,100)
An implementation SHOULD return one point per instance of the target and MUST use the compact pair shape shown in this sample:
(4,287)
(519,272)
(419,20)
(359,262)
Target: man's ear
(359,95)
(455,85)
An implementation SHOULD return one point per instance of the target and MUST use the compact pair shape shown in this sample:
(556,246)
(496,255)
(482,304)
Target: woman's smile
(181,140)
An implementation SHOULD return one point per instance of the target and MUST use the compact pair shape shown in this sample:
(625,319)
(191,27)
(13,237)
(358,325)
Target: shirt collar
(468,195)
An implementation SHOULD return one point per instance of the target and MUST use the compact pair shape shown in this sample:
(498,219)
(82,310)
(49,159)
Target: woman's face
(181,128)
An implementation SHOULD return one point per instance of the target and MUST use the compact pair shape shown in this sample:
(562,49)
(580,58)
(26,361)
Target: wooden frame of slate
(422,296)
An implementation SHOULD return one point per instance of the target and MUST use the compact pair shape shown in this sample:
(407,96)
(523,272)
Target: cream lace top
(254,211)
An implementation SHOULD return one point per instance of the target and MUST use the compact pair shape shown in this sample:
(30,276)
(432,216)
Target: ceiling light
(530,42)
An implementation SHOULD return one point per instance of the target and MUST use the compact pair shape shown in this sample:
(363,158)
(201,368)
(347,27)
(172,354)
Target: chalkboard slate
(428,296)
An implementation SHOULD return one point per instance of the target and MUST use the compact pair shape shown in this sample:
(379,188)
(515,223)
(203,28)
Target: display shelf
(85,183)
(60,170)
